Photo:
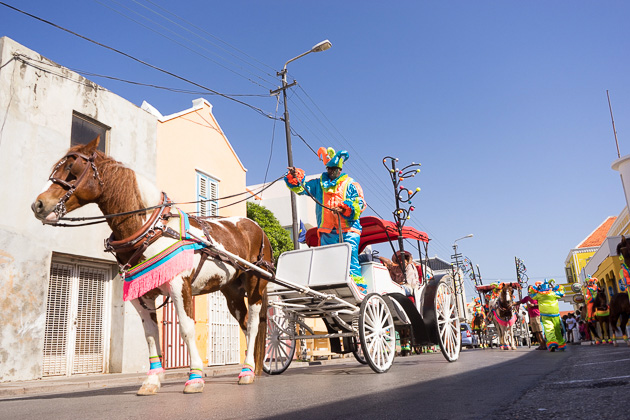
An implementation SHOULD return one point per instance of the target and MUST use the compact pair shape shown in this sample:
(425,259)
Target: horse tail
(261,336)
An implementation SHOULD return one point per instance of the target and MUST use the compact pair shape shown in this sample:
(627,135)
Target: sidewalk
(63,384)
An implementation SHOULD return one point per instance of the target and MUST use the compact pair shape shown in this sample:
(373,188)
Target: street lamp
(322,46)
(470,235)
(456,276)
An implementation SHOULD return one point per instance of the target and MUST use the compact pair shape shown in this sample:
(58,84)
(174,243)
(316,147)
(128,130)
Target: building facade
(196,162)
(584,255)
(60,294)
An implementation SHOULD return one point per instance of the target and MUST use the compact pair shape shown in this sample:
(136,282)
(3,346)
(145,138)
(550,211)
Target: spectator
(564,326)
(583,330)
(571,324)
(534,320)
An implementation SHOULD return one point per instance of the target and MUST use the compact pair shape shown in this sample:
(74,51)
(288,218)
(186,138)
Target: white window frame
(207,189)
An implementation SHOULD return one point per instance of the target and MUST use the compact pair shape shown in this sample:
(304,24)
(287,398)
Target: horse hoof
(194,388)
(148,389)
(246,380)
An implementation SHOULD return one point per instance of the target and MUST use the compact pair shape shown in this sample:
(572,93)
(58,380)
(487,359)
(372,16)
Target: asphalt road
(585,382)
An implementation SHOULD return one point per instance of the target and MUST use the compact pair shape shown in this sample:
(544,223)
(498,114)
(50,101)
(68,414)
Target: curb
(101,381)
(66,384)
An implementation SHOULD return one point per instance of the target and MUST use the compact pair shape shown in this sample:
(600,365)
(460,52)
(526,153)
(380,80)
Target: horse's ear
(93,145)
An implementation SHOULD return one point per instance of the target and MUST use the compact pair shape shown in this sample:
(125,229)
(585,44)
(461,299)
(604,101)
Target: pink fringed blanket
(163,266)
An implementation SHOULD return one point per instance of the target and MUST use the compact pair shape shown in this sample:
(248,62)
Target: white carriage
(315,283)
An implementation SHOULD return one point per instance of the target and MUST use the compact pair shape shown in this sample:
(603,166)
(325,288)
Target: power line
(218,39)
(367,174)
(190,41)
(260,111)
(24,59)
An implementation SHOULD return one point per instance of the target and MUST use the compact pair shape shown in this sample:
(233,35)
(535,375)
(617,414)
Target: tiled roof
(598,236)
(437,263)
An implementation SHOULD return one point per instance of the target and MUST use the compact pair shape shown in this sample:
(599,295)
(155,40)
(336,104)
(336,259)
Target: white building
(60,298)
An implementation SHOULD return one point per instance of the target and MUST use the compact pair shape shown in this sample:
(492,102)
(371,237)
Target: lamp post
(455,255)
(322,46)
(456,276)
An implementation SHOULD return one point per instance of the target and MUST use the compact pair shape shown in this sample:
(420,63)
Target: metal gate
(76,336)
(224,334)
(174,350)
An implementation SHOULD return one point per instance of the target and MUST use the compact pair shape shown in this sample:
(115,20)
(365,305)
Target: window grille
(75,335)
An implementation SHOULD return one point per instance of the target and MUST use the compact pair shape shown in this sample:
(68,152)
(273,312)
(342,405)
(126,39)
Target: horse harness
(60,208)
(155,228)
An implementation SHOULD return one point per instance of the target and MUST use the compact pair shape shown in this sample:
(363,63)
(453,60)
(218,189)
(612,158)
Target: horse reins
(103,218)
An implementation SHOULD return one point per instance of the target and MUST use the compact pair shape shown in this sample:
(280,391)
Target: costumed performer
(343,196)
(547,294)
(590,290)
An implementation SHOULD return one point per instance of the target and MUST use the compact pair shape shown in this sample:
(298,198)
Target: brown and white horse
(85,175)
(504,317)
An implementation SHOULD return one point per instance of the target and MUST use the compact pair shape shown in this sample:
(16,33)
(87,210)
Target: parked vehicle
(469,340)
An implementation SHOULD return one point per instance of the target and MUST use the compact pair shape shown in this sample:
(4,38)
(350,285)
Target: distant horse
(503,317)
(160,252)
(601,317)
(479,328)
(619,312)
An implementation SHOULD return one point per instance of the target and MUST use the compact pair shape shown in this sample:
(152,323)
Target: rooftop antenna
(613,124)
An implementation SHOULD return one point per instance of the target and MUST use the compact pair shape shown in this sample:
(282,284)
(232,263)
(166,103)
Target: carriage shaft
(272,278)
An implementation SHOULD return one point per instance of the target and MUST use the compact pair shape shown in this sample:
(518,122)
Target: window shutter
(207,194)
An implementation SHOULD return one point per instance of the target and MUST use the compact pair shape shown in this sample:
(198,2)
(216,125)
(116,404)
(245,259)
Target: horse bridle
(60,208)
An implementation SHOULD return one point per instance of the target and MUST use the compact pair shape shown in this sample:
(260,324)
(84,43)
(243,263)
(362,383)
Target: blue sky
(503,102)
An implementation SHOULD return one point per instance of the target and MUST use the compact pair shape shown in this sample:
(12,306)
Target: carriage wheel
(280,346)
(446,321)
(358,352)
(377,333)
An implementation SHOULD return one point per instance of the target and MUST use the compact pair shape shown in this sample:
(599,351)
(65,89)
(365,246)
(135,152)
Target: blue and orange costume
(547,294)
(343,193)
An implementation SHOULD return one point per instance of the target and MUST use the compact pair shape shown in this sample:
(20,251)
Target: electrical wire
(340,138)
(131,57)
(185,45)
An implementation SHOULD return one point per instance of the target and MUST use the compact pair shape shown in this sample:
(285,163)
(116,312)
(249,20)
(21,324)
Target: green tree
(279,237)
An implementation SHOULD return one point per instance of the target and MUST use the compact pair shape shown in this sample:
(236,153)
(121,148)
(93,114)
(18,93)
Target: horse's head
(623,249)
(506,293)
(74,182)
(600,301)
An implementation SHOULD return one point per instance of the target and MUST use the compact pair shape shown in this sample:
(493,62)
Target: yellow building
(605,264)
(580,256)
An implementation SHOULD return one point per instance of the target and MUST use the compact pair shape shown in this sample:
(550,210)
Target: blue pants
(350,237)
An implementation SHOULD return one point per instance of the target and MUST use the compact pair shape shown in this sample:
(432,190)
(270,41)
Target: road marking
(606,361)
(590,380)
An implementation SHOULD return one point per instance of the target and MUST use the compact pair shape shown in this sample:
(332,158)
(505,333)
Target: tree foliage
(278,236)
